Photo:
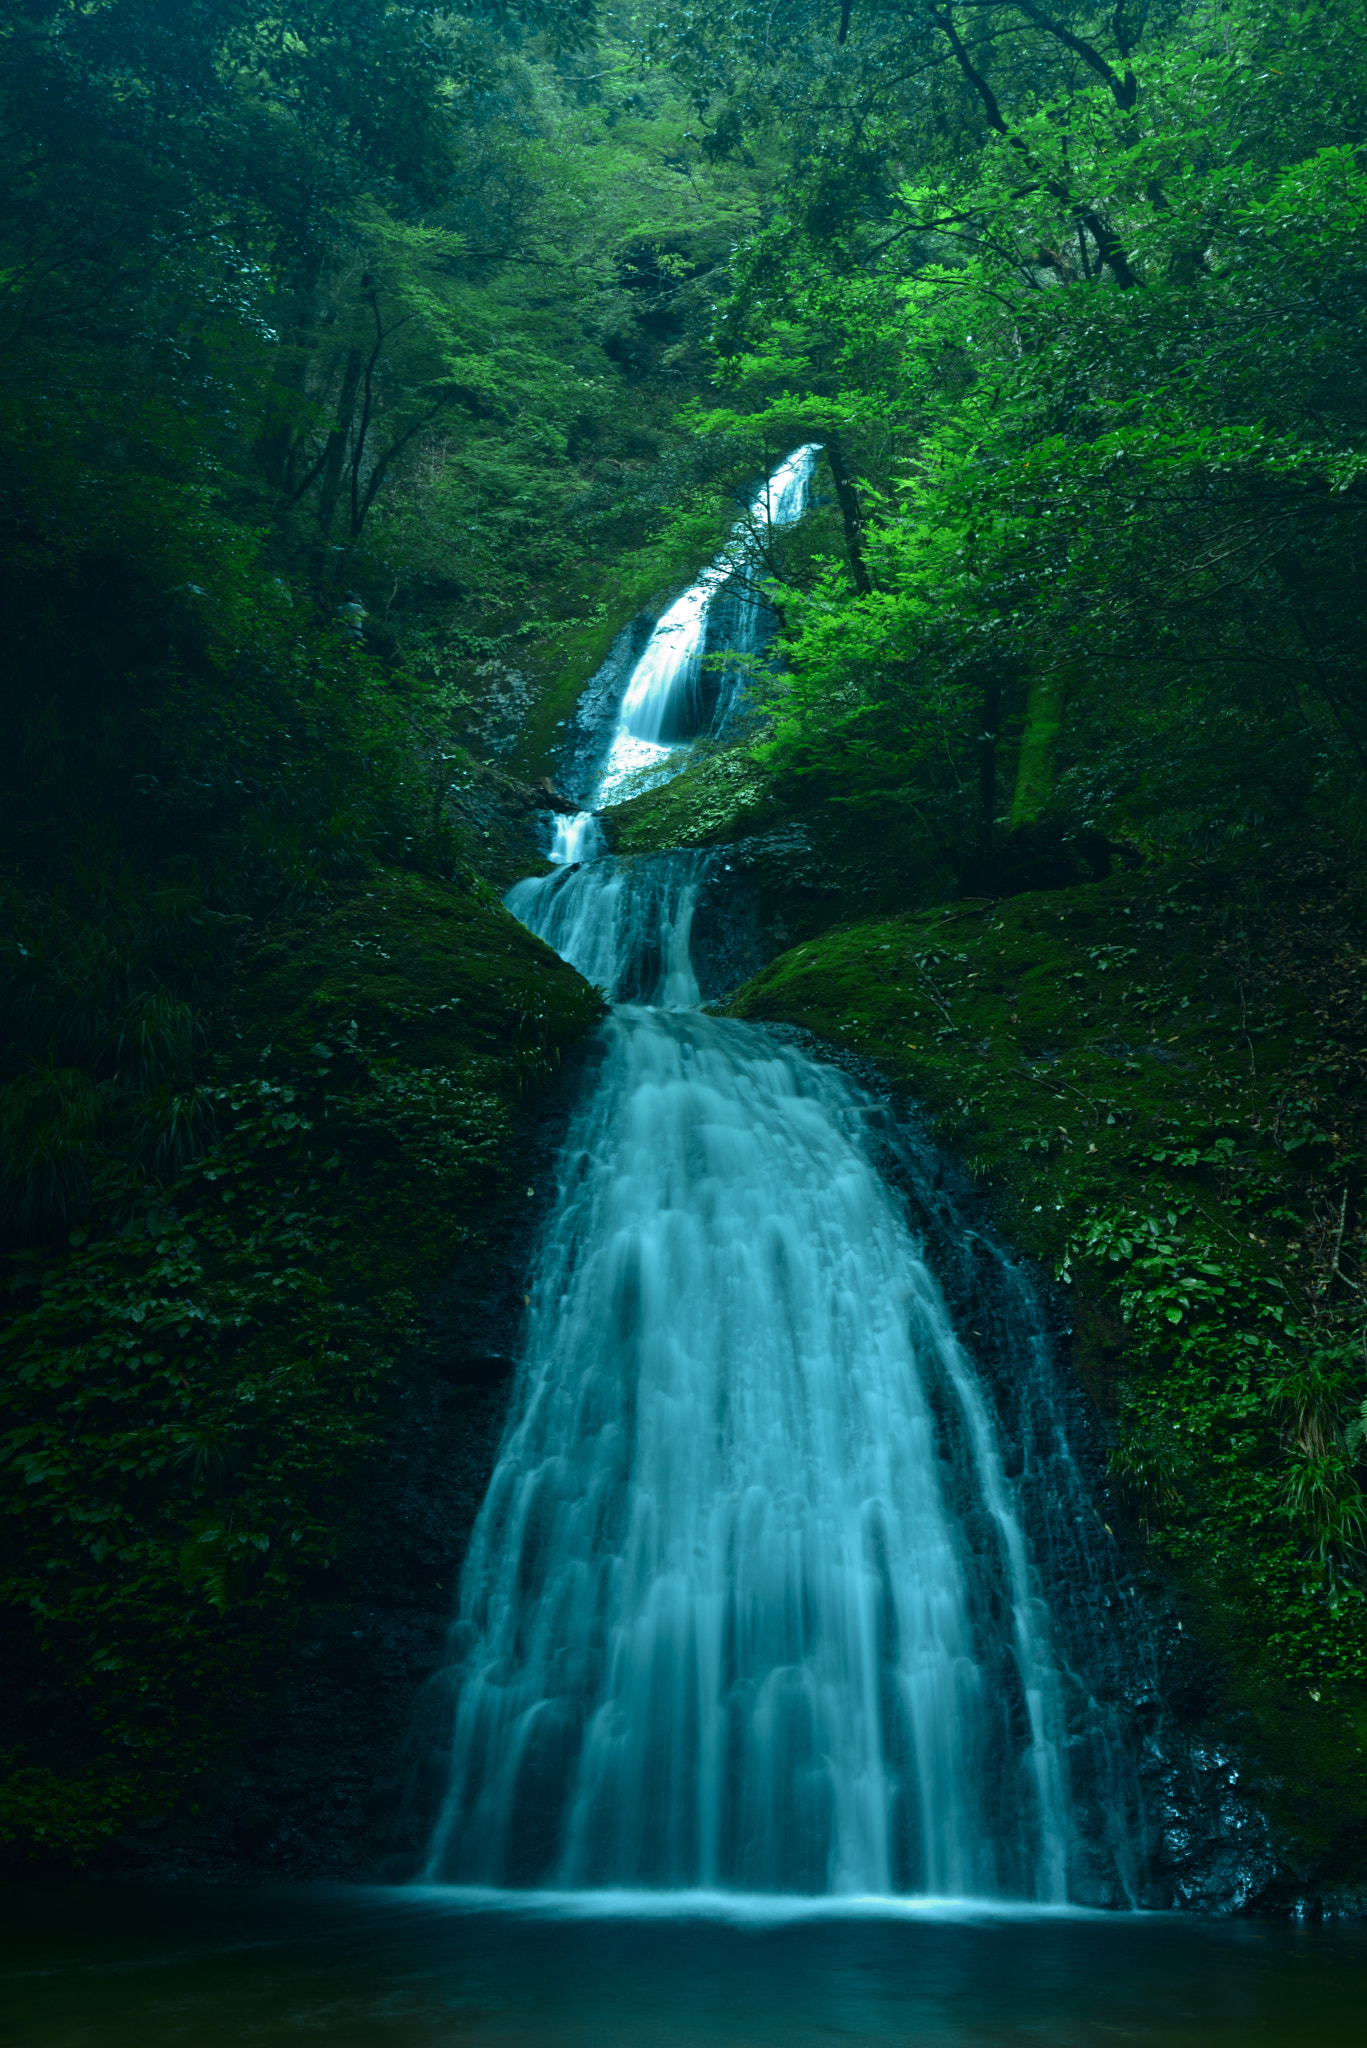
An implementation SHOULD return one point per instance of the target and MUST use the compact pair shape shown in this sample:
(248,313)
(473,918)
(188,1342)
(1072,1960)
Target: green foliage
(191,1388)
(183,751)
(1233,1434)
(1096,367)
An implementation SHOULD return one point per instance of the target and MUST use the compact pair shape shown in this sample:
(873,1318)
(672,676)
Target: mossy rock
(437,973)
(1046,1033)
(722,795)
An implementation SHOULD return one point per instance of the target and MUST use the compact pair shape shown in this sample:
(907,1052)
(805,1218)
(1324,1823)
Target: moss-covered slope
(723,794)
(1157,1080)
(197,1392)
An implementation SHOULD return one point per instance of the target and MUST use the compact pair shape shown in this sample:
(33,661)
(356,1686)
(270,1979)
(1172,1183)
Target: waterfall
(662,704)
(776,1587)
(625,924)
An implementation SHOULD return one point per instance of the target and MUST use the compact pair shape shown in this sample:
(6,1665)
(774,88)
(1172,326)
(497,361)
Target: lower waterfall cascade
(786,1581)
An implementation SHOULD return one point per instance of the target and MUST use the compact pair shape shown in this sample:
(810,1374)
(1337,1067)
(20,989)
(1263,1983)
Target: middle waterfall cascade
(776,1588)
(625,924)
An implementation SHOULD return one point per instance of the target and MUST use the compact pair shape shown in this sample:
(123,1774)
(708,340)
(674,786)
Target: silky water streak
(772,1591)
(750,1603)
(661,705)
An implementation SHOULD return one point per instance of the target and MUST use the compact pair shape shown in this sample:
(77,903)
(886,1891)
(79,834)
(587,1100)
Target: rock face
(1206,1841)
(1087,1053)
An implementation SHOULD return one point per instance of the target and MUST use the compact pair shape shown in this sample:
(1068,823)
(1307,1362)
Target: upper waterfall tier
(662,704)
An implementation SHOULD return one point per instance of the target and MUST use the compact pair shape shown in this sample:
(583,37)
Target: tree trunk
(275,447)
(987,768)
(848,501)
(1035,768)
(337,440)
(277,442)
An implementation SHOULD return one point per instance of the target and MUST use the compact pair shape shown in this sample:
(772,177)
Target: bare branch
(1124,91)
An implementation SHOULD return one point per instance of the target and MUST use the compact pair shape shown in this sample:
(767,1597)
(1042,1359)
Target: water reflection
(103,1967)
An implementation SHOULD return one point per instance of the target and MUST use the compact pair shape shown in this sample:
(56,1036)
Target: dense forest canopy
(477,320)
(403,295)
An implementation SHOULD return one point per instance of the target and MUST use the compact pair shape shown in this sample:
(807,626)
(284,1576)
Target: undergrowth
(193,1385)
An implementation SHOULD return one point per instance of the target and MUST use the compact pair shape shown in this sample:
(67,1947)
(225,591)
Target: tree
(1100,356)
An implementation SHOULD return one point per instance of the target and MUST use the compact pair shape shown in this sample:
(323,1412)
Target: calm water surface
(101,1967)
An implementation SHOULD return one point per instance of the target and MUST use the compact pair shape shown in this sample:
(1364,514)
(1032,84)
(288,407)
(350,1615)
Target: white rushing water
(660,707)
(750,1604)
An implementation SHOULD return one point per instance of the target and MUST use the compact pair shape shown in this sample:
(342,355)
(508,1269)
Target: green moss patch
(438,973)
(1024,1027)
(722,795)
